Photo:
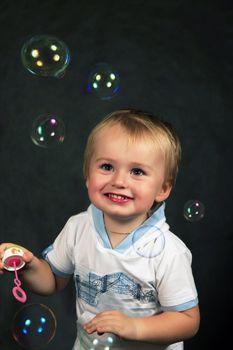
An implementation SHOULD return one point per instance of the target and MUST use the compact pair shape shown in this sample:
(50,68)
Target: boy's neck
(118,230)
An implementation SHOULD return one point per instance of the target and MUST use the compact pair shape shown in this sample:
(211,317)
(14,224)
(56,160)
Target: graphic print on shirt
(90,287)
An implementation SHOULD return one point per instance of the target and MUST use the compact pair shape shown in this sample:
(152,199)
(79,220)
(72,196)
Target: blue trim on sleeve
(181,307)
(53,268)
(46,251)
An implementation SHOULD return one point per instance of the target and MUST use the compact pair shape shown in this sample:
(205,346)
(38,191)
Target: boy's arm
(169,326)
(39,278)
(165,328)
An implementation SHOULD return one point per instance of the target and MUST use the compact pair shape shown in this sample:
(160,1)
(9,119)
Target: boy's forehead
(116,139)
(117,133)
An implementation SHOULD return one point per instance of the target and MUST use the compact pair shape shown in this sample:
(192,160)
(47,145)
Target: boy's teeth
(116,196)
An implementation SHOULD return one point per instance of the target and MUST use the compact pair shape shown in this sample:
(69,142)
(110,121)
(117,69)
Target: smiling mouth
(119,198)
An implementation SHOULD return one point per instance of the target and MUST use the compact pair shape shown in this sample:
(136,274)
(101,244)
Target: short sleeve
(175,283)
(60,254)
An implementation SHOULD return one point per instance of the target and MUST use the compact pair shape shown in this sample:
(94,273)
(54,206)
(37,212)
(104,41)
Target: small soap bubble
(151,244)
(193,210)
(34,326)
(106,341)
(103,81)
(46,56)
(48,131)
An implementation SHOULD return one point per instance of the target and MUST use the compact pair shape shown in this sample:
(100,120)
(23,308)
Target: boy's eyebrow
(106,159)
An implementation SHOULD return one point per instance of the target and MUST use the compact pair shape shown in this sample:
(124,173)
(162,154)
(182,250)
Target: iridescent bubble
(103,81)
(106,341)
(193,210)
(46,56)
(148,241)
(34,326)
(103,342)
(48,131)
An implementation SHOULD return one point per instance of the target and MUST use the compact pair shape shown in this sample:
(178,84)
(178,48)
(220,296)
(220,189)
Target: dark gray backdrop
(175,60)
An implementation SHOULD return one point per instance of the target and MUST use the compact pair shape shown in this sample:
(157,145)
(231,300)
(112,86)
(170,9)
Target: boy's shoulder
(174,246)
(80,217)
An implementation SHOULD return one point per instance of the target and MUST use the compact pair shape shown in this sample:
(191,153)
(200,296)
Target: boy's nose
(119,179)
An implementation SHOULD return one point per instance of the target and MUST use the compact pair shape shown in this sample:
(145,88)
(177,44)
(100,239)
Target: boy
(132,275)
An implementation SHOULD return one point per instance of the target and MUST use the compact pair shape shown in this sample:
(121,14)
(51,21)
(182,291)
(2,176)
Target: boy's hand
(113,322)
(27,257)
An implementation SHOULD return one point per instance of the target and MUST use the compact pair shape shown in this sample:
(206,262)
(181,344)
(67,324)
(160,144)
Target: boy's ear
(164,193)
(86,182)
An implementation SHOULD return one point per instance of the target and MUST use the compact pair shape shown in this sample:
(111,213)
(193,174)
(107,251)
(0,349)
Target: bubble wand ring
(18,292)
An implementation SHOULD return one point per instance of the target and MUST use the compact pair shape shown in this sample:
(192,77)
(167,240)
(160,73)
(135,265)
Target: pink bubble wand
(13,261)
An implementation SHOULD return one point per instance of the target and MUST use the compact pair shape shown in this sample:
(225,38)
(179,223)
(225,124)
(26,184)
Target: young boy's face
(125,179)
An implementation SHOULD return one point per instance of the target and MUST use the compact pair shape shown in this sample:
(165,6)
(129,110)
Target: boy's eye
(106,167)
(137,172)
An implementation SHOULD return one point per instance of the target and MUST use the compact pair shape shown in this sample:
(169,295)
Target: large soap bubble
(193,210)
(34,326)
(46,56)
(48,131)
(103,81)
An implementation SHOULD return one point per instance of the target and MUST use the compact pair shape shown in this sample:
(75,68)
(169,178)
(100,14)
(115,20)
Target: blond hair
(138,124)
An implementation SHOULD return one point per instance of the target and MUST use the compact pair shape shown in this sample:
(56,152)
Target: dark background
(175,60)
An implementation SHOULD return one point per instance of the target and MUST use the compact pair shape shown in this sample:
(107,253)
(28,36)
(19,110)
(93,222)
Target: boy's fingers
(27,256)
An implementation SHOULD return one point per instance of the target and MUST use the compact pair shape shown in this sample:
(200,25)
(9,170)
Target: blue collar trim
(98,219)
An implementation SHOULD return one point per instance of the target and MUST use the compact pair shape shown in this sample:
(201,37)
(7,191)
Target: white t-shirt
(147,273)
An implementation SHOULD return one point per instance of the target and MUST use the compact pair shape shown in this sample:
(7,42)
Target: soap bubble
(48,131)
(103,81)
(46,56)
(151,244)
(193,210)
(105,343)
(96,342)
(34,326)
